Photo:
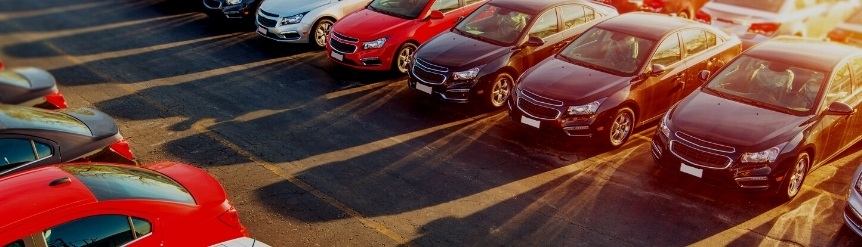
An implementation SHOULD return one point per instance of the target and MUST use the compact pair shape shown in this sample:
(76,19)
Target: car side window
(546,25)
(18,243)
(668,51)
(840,86)
(856,66)
(694,40)
(574,15)
(95,231)
(15,152)
(445,5)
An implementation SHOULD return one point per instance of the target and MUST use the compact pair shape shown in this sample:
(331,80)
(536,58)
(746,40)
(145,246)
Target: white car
(755,21)
(241,242)
(302,21)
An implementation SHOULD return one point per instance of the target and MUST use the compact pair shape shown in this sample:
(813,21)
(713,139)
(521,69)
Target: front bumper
(755,177)
(560,125)
(443,89)
(289,33)
(350,53)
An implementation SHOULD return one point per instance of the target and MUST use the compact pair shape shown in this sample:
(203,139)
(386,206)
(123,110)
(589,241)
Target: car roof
(816,54)
(536,6)
(648,25)
(23,117)
(28,194)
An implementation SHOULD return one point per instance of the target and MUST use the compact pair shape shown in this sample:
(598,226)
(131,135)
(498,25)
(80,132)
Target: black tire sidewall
(785,185)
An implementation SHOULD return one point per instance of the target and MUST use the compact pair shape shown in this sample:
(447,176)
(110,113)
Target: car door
(833,127)
(452,13)
(701,53)
(855,101)
(576,19)
(657,92)
(547,27)
(19,152)
(100,229)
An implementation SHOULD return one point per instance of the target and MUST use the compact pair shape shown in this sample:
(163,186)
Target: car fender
(618,99)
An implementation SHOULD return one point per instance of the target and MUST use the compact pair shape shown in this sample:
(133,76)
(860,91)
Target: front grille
(265,22)
(537,110)
(698,157)
(539,98)
(268,14)
(427,76)
(345,38)
(431,66)
(853,216)
(342,47)
(705,144)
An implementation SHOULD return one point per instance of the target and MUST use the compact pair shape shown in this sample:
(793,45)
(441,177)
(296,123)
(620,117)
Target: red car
(385,34)
(87,204)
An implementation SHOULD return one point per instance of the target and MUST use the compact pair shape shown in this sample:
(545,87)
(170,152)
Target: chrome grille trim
(544,100)
(431,66)
(688,138)
(268,14)
(531,115)
(729,161)
(345,38)
(335,42)
(417,65)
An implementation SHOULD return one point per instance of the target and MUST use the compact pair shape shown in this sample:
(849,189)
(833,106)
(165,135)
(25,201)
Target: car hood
(367,25)
(290,7)
(572,84)
(39,79)
(725,121)
(454,50)
(100,124)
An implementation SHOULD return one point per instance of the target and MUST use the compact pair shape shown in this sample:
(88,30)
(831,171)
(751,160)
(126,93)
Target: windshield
(610,51)
(12,78)
(497,24)
(117,183)
(767,83)
(19,117)
(764,5)
(408,9)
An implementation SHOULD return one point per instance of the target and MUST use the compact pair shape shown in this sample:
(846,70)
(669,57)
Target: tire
(402,57)
(795,177)
(620,128)
(319,32)
(498,90)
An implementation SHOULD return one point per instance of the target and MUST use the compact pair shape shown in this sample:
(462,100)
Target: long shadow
(60,17)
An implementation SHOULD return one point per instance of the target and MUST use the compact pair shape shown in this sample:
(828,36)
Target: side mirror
(657,69)
(703,76)
(534,41)
(435,15)
(840,109)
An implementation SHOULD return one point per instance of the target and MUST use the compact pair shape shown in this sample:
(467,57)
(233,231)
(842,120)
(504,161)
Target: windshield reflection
(609,51)
(408,9)
(495,24)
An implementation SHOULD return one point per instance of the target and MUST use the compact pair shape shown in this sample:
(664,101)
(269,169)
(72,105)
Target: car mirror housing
(534,41)
(435,15)
(840,109)
(703,76)
(657,69)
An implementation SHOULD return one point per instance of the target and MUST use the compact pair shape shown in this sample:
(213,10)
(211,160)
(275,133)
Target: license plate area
(423,88)
(690,170)
(530,122)
(261,30)
(337,56)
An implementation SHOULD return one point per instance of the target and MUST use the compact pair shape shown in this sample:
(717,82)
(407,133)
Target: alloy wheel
(797,176)
(404,56)
(500,91)
(322,32)
(621,128)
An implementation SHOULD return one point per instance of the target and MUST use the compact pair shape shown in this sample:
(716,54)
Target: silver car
(302,21)
(756,21)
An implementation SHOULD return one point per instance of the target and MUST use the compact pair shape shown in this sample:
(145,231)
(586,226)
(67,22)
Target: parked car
(30,87)
(849,31)
(231,9)
(95,204)
(241,242)
(775,113)
(385,34)
(756,21)
(32,137)
(480,57)
(618,75)
(303,21)
(681,8)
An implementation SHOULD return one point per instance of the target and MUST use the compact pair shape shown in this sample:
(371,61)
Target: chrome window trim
(686,139)
(136,240)
(729,161)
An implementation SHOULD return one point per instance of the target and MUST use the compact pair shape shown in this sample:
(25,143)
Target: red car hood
(368,25)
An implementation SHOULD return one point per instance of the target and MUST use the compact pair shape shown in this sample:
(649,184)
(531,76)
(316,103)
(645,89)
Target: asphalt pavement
(315,154)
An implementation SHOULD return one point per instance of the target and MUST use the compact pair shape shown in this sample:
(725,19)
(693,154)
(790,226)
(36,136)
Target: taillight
(767,29)
(703,17)
(230,217)
(56,99)
(654,4)
(1,64)
(837,35)
(122,148)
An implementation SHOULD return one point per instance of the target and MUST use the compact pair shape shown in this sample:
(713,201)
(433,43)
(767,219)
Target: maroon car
(776,112)
(619,74)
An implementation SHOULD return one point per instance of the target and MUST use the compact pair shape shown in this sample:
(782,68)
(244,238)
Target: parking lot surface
(315,154)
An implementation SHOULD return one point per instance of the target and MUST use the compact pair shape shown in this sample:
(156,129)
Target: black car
(620,74)
(30,87)
(781,109)
(32,137)
(481,56)
(231,9)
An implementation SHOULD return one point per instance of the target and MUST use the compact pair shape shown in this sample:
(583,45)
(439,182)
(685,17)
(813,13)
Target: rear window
(764,5)
(12,78)
(118,183)
(18,117)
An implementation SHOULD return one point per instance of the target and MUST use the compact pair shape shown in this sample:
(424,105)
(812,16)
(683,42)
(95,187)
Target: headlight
(466,75)
(663,125)
(376,44)
(588,109)
(764,156)
(293,19)
(232,2)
